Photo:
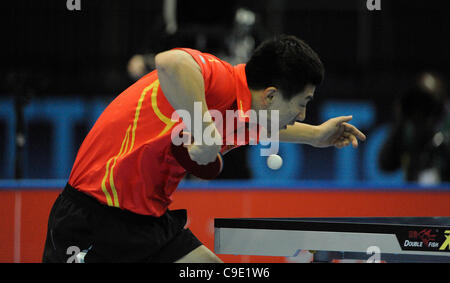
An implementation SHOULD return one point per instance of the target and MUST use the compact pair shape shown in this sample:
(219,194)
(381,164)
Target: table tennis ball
(274,161)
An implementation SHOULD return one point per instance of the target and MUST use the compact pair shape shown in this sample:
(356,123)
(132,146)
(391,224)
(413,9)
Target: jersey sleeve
(218,78)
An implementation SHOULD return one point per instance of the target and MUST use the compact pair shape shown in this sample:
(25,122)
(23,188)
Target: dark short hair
(285,62)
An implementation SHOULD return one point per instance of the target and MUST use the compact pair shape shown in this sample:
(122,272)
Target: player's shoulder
(202,57)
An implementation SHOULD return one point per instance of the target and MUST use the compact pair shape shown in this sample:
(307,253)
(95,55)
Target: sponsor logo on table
(425,239)
(422,239)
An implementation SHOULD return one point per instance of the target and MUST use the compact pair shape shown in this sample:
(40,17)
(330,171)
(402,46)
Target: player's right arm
(182,82)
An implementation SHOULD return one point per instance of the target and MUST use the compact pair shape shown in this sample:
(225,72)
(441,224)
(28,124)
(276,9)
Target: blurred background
(61,67)
(62,62)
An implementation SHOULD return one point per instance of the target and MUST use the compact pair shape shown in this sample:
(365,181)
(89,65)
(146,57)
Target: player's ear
(269,94)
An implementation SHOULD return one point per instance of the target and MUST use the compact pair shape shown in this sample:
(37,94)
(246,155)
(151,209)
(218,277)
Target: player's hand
(205,153)
(337,132)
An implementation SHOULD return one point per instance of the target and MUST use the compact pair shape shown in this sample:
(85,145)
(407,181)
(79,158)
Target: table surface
(442,221)
(350,224)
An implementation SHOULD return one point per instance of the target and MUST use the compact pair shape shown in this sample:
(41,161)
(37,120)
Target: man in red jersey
(115,205)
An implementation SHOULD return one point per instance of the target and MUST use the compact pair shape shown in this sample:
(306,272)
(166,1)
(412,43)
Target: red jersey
(125,160)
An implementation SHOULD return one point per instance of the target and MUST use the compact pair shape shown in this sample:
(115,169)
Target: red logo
(425,236)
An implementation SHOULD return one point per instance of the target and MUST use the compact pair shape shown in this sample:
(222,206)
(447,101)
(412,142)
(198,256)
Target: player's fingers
(196,155)
(345,140)
(354,141)
(201,161)
(205,159)
(192,153)
(351,138)
(338,136)
(339,133)
(353,130)
(347,143)
(342,143)
(343,119)
(339,145)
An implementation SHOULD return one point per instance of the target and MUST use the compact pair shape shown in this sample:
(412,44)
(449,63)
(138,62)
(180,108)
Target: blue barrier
(363,117)
(7,115)
(62,115)
(345,165)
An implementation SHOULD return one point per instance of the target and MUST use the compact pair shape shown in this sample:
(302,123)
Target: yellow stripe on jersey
(111,175)
(138,110)
(104,189)
(126,141)
(166,120)
(241,109)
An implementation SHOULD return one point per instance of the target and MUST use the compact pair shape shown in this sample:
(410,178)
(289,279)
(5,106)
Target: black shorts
(82,229)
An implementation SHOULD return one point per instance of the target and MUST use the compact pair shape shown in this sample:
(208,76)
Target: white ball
(274,161)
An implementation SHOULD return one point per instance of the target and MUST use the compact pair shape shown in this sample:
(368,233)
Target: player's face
(294,109)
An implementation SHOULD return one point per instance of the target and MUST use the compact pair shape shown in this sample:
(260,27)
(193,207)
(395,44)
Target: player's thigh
(200,255)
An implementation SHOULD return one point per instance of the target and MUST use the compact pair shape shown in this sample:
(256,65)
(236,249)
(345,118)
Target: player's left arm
(334,132)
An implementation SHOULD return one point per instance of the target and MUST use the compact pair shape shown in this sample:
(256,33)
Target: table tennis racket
(207,172)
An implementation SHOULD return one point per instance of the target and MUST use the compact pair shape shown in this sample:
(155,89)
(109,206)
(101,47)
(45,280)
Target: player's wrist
(309,134)
(315,135)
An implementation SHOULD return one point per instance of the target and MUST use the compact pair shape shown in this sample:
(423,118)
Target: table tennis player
(114,207)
